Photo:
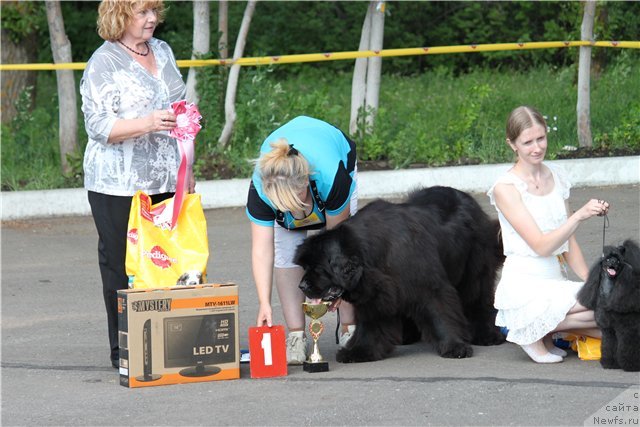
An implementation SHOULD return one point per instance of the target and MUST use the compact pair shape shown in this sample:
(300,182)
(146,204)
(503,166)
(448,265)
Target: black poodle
(612,290)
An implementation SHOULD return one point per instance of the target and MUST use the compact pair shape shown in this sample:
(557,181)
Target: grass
(431,119)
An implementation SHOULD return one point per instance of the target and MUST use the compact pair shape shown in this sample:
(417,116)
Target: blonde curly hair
(115,15)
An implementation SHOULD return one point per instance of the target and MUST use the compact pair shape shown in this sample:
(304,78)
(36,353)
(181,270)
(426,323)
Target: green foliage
(287,28)
(432,119)
(258,102)
(372,144)
(618,128)
(75,177)
(29,148)
(262,105)
(81,27)
(261,101)
(459,131)
(626,135)
(211,88)
(21,19)
(177,28)
(435,125)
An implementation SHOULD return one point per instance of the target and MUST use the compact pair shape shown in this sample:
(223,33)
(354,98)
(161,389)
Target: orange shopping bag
(157,254)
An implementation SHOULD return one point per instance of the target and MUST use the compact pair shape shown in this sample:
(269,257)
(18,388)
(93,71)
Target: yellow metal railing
(337,56)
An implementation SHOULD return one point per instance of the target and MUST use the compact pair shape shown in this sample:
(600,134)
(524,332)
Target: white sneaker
(296,348)
(344,338)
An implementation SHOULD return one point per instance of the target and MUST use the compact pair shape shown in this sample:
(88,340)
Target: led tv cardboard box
(178,335)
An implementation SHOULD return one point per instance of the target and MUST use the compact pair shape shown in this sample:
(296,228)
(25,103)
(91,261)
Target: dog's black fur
(613,291)
(425,268)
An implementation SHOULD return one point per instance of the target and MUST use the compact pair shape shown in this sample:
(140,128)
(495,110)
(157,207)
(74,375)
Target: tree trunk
(13,83)
(201,43)
(68,114)
(223,48)
(234,73)
(365,87)
(359,81)
(584,77)
(223,29)
(374,66)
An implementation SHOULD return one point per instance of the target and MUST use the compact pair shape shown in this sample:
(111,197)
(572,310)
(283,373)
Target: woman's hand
(162,120)
(264,315)
(594,207)
(157,121)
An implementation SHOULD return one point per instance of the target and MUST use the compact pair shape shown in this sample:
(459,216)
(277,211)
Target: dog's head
(614,281)
(190,278)
(613,262)
(332,267)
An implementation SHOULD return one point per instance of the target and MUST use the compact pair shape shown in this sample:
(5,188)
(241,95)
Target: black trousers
(111,216)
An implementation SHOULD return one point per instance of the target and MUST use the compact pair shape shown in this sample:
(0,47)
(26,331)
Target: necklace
(529,178)
(535,182)
(135,51)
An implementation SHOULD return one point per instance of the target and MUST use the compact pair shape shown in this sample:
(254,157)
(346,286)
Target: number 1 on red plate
(267,351)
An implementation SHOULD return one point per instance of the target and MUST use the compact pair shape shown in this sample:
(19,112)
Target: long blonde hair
(114,15)
(284,173)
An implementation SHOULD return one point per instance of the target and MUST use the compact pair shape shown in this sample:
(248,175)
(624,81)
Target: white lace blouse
(548,211)
(115,86)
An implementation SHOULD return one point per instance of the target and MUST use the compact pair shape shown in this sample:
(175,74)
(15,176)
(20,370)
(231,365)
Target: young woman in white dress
(534,297)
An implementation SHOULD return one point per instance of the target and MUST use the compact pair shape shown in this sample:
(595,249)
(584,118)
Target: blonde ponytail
(285,173)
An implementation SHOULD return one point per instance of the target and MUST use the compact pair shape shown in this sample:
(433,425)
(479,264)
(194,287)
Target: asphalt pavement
(56,369)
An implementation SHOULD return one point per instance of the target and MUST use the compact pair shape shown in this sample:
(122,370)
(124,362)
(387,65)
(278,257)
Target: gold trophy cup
(315,362)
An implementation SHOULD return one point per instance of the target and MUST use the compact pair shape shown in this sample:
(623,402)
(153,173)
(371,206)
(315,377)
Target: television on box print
(199,343)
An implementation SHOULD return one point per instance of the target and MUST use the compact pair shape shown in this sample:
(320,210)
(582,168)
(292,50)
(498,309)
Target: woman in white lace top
(127,88)
(534,297)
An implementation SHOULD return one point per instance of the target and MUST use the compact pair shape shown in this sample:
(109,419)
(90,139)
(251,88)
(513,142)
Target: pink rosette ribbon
(187,121)
(187,127)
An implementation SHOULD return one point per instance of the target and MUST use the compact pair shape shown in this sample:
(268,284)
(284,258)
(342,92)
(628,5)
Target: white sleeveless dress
(534,294)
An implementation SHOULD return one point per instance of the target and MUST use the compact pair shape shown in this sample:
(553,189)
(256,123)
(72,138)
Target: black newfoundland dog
(613,291)
(422,269)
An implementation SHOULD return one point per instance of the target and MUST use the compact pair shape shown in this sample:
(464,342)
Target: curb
(371,184)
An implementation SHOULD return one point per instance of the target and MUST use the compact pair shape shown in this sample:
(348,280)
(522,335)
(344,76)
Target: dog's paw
(630,365)
(609,363)
(346,355)
(491,336)
(455,350)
